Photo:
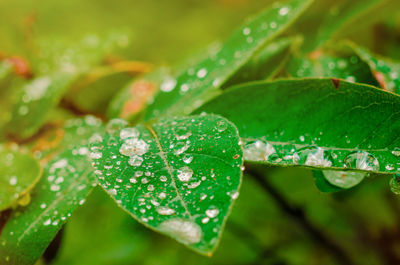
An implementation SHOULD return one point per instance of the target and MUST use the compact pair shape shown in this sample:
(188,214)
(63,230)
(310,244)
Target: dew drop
(185,174)
(343,179)
(187,159)
(395,184)
(135,161)
(361,160)
(183,230)
(129,133)
(211,213)
(134,147)
(165,210)
(202,73)
(221,126)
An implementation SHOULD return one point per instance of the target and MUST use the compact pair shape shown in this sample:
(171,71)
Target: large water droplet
(183,230)
(185,174)
(165,210)
(343,179)
(362,161)
(129,133)
(134,147)
(258,151)
(318,158)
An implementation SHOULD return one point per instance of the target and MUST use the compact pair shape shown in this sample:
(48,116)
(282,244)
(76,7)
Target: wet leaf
(265,63)
(38,97)
(19,172)
(320,64)
(179,176)
(335,18)
(202,82)
(66,182)
(385,70)
(320,123)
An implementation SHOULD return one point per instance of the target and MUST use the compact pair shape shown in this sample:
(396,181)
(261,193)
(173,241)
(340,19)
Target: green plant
(172,146)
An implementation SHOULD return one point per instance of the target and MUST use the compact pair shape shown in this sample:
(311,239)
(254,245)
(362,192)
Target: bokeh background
(286,221)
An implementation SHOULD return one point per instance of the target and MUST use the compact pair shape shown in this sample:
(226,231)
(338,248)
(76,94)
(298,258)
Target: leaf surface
(202,82)
(66,182)
(19,172)
(319,123)
(179,176)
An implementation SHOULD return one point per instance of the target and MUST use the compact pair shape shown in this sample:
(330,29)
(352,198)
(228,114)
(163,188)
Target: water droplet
(165,210)
(343,179)
(258,151)
(246,31)
(114,126)
(168,85)
(13,180)
(185,174)
(318,158)
(211,213)
(221,126)
(134,147)
(205,220)
(150,187)
(284,11)
(180,148)
(361,160)
(183,230)
(396,151)
(135,161)
(129,133)
(202,73)
(187,159)
(395,184)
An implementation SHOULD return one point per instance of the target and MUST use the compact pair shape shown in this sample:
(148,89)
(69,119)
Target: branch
(298,215)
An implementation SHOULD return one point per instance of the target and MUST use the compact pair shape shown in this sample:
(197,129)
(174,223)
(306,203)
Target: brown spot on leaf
(335,82)
(381,79)
(140,92)
(21,66)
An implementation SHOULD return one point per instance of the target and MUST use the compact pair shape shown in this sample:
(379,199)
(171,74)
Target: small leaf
(178,176)
(38,97)
(265,63)
(386,71)
(19,172)
(67,180)
(319,64)
(202,82)
(330,20)
(316,123)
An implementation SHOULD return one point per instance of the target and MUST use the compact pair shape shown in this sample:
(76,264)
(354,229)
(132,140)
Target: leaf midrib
(169,168)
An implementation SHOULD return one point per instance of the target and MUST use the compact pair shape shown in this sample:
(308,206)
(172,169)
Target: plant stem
(298,215)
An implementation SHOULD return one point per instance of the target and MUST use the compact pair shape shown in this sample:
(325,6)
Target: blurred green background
(280,225)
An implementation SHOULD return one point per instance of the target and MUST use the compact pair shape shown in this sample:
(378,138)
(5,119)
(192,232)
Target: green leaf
(332,18)
(93,92)
(350,68)
(386,71)
(266,63)
(179,176)
(19,172)
(57,70)
(67,180)
(38,97)
(202,82)
(319,123)
(133,97)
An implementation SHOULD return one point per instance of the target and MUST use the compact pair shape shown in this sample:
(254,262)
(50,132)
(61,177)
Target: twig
(298,214)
